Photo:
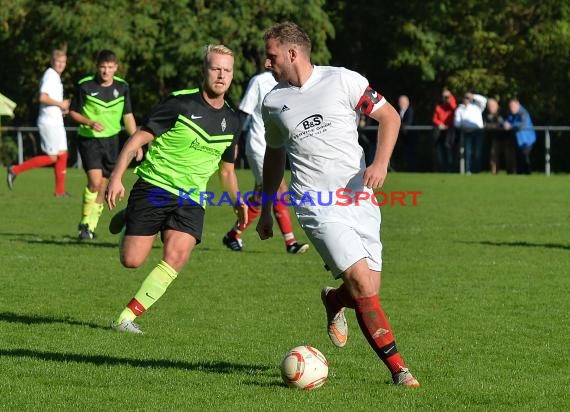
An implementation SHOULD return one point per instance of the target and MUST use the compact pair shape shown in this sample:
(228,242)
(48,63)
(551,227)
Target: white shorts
(255,162)
(54,138)
(343,235)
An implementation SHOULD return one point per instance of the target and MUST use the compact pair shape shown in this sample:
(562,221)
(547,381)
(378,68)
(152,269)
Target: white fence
(547,143)
(546,129)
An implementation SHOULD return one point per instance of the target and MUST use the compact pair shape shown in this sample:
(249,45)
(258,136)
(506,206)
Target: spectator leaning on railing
(444,136)
(518,120)
(469,120)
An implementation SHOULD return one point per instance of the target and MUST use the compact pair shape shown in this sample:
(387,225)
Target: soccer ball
(304,367)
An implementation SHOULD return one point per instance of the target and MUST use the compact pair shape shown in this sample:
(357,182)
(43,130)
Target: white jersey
(257,88)
(52,86)
(317,124)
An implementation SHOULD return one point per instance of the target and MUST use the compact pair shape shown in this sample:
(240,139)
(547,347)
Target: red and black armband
(368,100)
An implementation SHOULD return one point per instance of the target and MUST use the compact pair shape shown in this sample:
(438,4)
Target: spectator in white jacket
(469,121)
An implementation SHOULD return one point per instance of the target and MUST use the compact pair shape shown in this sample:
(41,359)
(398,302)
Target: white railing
(547,142)
(545,129)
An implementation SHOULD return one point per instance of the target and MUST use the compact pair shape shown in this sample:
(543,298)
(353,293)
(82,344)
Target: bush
(8,150)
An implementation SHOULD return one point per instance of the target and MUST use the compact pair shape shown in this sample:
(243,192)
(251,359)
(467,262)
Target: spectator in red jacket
(444,135)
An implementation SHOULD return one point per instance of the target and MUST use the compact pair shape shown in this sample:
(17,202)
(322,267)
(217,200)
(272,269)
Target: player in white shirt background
(50,124)
(312,116)
(250,106)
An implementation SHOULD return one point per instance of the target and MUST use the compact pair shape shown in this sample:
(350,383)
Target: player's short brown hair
(289,32)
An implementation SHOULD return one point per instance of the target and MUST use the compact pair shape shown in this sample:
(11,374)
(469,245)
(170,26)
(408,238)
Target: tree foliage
(495,47)
(159,42)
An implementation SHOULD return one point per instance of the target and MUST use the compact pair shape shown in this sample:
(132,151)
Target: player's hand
(240,211)
(64,106)
(265,224)
(98,127)
(140,154)
(374,176)
(115,189)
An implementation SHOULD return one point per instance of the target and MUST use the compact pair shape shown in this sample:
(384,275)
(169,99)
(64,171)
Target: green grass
(475,283)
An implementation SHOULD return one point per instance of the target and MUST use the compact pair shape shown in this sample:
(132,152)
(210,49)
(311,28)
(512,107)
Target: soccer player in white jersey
(250,106)
(312,116)
(50,124)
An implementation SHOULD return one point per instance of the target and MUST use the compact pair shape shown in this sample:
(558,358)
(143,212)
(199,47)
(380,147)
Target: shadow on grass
(34,238)
(524,244)
(11,317)
(103,360)
(70,241)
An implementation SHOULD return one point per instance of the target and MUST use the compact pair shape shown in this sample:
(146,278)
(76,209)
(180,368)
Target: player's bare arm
(388,128)
(80,119)
(228,180)
(131,127)
(273,171)
(115,187)
(47,100)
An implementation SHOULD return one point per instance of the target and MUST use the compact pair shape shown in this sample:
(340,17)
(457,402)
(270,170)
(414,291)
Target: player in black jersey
(100,103)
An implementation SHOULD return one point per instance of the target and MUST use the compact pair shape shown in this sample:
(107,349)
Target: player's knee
(176,258)
(360,285)
(131,262)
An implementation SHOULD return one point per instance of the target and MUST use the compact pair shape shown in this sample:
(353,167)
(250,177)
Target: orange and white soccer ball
(304,367)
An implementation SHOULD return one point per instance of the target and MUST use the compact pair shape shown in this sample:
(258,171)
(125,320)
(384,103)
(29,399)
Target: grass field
(476,280)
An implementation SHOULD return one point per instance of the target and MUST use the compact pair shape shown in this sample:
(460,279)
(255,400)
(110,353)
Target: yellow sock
(96,212)
(152,288)
(88,202)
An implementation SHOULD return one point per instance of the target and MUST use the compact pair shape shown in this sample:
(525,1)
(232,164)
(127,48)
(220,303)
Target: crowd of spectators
(461,131)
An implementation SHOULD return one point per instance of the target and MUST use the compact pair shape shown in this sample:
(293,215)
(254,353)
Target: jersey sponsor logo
(284,108)
(202,148)
(94,93)
(115,93)
(312,125)
(224,124)
(310,122)
(194,117)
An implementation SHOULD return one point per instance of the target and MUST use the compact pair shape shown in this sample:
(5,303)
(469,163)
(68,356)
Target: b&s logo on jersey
(313,125)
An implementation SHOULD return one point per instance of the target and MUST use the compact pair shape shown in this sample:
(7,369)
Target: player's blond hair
(214,48)
(289,32)
(58,53)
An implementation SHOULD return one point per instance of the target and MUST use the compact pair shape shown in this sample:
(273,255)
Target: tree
(159,42)
(495,47)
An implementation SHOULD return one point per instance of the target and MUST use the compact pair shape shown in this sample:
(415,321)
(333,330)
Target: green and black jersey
(191,139)
(105,105)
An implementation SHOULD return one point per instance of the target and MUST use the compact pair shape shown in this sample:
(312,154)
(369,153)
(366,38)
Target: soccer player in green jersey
(193,134)
(100,103)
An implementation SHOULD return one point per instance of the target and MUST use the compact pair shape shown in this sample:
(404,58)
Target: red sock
(37,161)
(60,170)
(281,213)
(340,298)
(376,329)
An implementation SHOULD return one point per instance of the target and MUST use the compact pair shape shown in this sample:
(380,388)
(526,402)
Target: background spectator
(518,120)
(444,136)
(366,139)
(502,143)
(468,119)
(407,139)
